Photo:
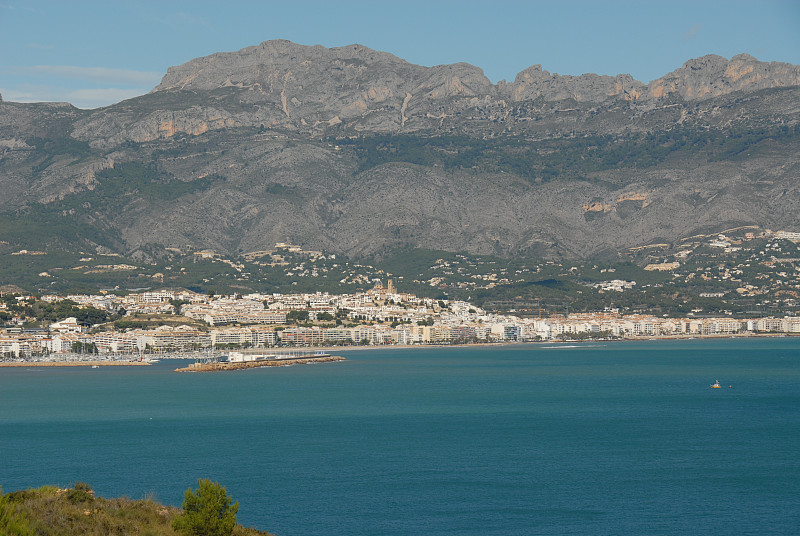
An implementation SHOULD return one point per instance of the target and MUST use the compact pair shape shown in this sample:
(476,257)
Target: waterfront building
(233,336)
(401,335)
(791,324)
(770,324)
(11,348)
(261,336)
(511,333)
(302,336)
(115,341)
(337,335)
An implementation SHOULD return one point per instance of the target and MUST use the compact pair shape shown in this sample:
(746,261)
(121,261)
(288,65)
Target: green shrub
(208,511)
(12,521)
(80,493)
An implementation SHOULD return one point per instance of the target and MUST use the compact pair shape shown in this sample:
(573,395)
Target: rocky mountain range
(359,152)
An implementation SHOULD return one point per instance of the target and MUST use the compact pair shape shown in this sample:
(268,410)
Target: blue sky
(94,53)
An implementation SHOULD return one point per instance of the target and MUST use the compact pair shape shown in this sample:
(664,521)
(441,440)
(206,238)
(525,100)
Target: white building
(68,325)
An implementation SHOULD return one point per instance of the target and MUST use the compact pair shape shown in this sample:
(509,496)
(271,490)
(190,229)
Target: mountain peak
(534,82)
(264,64)
(712,76)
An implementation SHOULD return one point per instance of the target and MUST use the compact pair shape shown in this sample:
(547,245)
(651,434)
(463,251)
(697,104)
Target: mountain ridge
(739,72)
(357,151)
(322,91)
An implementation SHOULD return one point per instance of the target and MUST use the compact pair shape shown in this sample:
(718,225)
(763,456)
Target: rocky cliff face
(311,86)
(354,90)
(354,77)
(357,151)
(534,83)
(713,76)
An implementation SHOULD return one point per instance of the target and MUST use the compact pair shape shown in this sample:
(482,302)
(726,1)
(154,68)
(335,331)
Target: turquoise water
(616,438)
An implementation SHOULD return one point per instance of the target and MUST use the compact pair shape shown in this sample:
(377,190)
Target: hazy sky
(94,53)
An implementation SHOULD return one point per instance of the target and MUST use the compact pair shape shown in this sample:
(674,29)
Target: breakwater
(277,362)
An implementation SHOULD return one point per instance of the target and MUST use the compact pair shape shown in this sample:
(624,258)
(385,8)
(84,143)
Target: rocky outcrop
(700,78)
(106,130)
(598,206)
(712,76)
(317,84)
(274,65)
(356,77)
(534,83)
(354,90)
(304,74)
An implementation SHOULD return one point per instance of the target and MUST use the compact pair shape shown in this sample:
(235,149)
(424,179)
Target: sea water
(598,438)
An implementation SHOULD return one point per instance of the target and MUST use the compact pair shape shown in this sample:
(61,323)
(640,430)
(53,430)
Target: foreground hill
(67,512)
(356,151)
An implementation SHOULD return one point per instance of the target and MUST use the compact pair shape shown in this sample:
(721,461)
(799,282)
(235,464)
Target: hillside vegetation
(50,511)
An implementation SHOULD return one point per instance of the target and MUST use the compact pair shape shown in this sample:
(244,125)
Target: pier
(272,360)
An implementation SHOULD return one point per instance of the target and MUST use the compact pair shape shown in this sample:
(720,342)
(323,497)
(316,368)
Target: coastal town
(182,322)
(744,272)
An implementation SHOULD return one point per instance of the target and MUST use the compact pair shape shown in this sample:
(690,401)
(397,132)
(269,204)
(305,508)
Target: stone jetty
(219,366)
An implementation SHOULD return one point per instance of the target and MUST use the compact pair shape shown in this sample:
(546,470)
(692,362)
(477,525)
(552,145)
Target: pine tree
(208,511)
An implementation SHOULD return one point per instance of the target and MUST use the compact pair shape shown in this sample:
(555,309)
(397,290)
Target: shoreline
(358,348)
(551,341)
(74,364)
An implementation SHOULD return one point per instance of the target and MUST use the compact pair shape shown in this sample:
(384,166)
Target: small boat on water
(716,385)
